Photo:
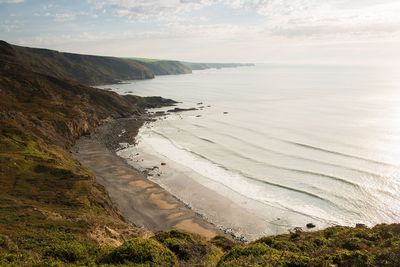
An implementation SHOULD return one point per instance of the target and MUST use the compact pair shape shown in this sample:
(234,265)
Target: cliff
(167,67)
(47,197)
(53,213)
(95,70)
(86,69)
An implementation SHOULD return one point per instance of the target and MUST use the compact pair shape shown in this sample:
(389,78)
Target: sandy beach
(141,201)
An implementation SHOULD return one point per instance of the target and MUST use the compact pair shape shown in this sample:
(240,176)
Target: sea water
(289,143)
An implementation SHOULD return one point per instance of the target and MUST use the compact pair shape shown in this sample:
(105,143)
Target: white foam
(229,183)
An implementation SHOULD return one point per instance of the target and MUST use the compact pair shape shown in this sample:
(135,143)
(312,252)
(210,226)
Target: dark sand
(141,201)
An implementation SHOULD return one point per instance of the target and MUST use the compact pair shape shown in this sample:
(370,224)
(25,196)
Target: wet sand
(141,201)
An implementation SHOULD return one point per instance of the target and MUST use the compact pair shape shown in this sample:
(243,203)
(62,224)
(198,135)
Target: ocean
(287,144)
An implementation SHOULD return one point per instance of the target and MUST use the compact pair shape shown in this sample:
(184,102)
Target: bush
(389,257)
(7,258)
(6,244)
(223,242)
(190,248)
(352,258)
(247,255)
(68,252)
(141,251)
(353,243)
(294,260)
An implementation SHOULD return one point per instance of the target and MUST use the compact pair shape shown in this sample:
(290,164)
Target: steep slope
(167,67)
(53,213)
(95,70)
(86,69)
(47,197)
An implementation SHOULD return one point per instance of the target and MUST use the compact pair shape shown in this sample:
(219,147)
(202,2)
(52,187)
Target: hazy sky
(300,31)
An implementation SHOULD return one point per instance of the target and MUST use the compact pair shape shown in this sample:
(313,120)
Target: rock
(361,225)
(111,232)
(297,229)
(200,103)
(181,109)
(310,225)
(198,116)
(163,163)
(225,112)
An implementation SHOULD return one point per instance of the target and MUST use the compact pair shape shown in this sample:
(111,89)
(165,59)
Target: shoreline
(141,201)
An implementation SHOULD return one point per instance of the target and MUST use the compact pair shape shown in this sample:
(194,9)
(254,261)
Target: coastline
(154,194)
(142,202)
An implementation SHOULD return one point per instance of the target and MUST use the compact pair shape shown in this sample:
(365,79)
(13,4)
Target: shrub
(319,242)
(247,255)
(7,258)
(6,244)
(141,251)
(190,248)
(279,245)
(294,260)
(68,252)
(353,243)
(352,258)
(225,243)
(389,257)
(265,240)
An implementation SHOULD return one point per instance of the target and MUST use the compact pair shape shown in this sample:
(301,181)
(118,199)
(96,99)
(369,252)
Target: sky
(273,31)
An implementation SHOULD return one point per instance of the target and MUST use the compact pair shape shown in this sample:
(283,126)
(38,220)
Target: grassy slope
(46,197)
(86,69)
(167,67)
(52,212)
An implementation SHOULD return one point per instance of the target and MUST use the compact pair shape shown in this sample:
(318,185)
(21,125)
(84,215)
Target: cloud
(315,18)
(11,1)
(11,25)
(140,10)
(288,18)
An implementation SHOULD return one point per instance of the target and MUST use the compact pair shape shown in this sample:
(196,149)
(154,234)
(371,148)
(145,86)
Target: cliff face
(46,196)
(86,69)
(167,67)
(53,213)
(94,70)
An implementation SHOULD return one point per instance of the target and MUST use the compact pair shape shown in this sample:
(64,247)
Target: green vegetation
(190,249)
(86,69)
(53,213)
(166,67)
(176,248)
(51,206)
(142,252)
(335,246)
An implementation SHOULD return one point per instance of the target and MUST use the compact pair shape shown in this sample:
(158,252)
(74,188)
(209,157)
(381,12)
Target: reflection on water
(318,142)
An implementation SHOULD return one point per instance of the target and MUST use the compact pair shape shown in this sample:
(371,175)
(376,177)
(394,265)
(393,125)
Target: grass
(48,207)
(53,213)
(178,248)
